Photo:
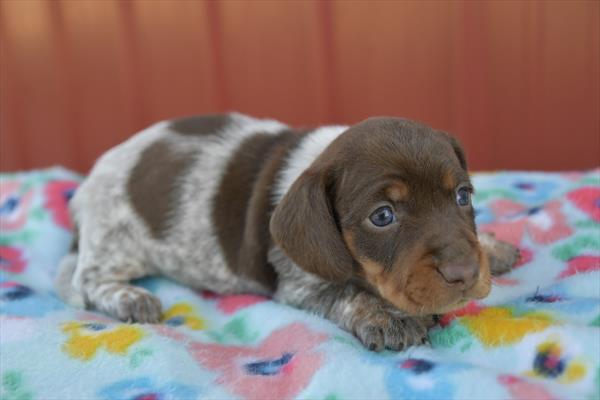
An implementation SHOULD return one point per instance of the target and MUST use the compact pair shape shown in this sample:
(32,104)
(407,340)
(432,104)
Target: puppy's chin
(452,307)
(416,309)
(439,304)
(479,292)
(438,299)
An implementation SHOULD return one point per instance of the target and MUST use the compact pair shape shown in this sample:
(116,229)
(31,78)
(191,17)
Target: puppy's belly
(201,269)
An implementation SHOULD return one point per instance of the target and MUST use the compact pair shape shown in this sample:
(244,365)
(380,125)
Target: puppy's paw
(504,258)
(501,255)
(386,329)
(134,304)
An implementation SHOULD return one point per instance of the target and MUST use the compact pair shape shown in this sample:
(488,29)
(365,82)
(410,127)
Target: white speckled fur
(115,244)
(311,146)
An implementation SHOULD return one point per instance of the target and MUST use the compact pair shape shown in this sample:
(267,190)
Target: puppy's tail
(64,278)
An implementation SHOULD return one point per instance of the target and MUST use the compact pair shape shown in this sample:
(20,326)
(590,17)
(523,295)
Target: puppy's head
(387,206)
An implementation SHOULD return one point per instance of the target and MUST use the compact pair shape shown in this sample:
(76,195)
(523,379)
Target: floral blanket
(537,336)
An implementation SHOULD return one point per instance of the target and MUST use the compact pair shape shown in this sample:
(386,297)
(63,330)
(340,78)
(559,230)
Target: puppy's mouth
(425,290)
(433,294)
(453,301)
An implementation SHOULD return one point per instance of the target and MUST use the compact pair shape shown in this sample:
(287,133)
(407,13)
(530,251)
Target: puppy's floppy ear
(458,149)
(303,225)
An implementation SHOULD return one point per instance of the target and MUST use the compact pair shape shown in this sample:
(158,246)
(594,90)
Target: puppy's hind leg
(106,288)
(63,281)
(103,278)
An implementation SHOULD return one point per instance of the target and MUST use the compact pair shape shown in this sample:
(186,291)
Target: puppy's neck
(302,156)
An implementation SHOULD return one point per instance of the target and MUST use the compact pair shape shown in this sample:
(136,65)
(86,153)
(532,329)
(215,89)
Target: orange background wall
(518,82)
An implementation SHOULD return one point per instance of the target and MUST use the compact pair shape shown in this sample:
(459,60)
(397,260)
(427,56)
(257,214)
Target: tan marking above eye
(448,181)
(397,191)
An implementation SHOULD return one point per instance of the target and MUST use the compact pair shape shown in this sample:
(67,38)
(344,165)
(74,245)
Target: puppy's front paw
(385,328)
(501,255)
(134,304)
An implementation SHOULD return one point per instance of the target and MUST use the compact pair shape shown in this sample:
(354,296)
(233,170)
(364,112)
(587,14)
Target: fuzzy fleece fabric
(537,336)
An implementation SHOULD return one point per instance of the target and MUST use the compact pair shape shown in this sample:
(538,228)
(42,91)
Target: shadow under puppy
(370,226)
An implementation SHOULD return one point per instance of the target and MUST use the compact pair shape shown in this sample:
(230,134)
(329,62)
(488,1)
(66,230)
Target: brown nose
(461,273)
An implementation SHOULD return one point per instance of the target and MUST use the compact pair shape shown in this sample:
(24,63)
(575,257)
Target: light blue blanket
(536,337)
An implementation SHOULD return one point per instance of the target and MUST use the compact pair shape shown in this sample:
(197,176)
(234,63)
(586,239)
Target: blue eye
(463,196)
(382,216)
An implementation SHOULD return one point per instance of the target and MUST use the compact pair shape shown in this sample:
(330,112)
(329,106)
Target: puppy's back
(146,206)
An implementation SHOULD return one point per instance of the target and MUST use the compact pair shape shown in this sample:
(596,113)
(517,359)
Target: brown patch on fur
(75,240)
(242,205)
(449,182)
(200,125)
(397,191)
(152,186)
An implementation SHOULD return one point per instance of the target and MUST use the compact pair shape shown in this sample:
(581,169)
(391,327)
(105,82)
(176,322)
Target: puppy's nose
(460,273)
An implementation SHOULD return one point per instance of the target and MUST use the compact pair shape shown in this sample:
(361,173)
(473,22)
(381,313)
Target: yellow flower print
(86,338)
(497,326)
(183,314)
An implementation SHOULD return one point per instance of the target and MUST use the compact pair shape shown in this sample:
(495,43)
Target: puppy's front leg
(377,324)
(501,255)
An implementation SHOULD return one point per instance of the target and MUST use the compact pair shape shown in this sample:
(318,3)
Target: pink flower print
(58,194)
(520,389)
(279,368)
(11,260)
(526,255)
(510,231)
(472,308)
(14,206)
(587,199)
(545,224)
(581,264)
(548,225)
(233,303)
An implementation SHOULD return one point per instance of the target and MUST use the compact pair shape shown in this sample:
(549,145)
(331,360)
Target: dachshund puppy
(370,226)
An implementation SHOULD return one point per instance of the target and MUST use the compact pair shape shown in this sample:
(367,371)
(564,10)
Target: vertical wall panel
(393,58)
(512,34)
(471,95)
(12,151)
(518,82)
(272,58)
(101,73)
(542,84)
(568,104)
(173,58)
(35,102)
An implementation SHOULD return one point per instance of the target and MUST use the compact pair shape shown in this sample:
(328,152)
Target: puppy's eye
(382,216)
(463,196)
